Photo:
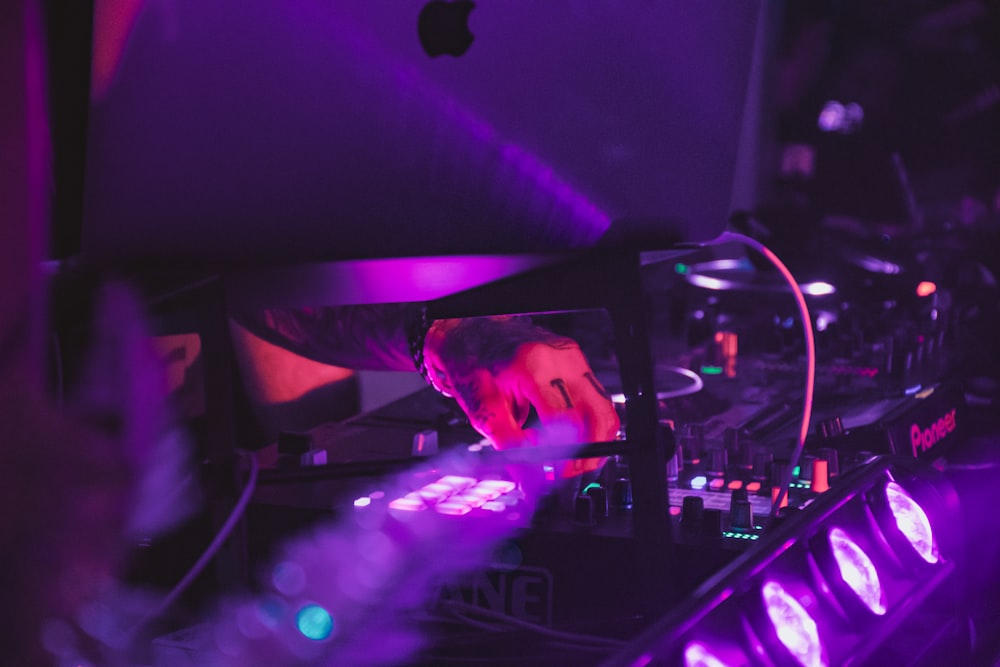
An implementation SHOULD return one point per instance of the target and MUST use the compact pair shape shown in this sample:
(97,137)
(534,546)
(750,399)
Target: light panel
(858,571)
(912,522)
(796,629)
(844,580)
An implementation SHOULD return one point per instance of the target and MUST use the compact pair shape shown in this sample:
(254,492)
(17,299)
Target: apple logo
(443,27)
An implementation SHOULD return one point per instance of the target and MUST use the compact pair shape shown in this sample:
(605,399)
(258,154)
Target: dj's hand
(499,368)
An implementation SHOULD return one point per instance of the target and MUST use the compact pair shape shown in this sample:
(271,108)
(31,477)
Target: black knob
(717,461)
(621,493)
(739,447)
(806,467)
(675,465)
(761,466)
(738,495)
(691,439)
(692,508)
(741,518)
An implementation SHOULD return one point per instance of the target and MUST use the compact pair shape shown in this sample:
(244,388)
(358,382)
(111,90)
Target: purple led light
(697,654)
(858,571)
(912,522)
(795,628)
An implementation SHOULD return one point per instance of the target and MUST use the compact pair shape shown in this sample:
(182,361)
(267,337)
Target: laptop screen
(317,130)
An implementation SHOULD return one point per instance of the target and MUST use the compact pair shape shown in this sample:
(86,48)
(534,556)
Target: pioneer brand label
(524,593)
(924,438)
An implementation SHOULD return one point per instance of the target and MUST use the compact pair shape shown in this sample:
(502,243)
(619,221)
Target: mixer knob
(738,495)
(741,517)
(761,466)
(832,458)
(599,496)
(806,467)
(692,439)
(692,509)
(675,464)
(739,447)
(717,461)
(621,493)
(820,478)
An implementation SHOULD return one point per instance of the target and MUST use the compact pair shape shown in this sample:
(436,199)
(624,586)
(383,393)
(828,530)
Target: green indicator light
(711,370)
(592,485)
(314,622)
(740,536)
(681,268)
(796,471)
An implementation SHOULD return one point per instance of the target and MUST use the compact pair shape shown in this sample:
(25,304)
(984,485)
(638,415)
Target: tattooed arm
(496,368)
(499,368)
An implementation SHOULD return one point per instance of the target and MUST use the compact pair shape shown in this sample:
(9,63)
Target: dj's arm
(497,368)
(371,337)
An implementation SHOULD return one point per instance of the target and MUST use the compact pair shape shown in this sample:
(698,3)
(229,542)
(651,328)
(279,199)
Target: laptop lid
(316,130)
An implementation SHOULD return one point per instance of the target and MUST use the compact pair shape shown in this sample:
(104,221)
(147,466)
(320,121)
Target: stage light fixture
(912,522)
(796,629)
(858,571)
(696,654)
(849,579)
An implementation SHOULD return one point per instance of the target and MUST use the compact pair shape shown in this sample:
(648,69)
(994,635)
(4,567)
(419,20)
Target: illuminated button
(501,485)
(436,491)
(470,499)
(699,482)
(452,508)
(485,494)
(717,484)
(411,502)
(753,487)
(457,483)
(735,484)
